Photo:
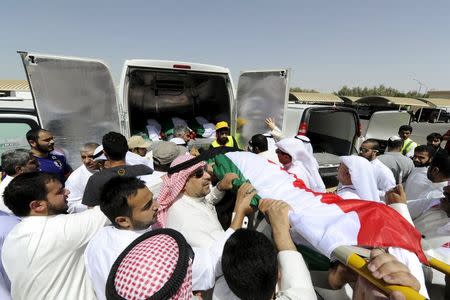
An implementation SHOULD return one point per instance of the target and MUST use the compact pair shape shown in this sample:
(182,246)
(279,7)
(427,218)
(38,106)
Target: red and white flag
(326,221)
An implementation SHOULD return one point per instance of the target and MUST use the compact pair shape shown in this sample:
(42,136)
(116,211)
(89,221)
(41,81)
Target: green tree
(300,90)
(380,90)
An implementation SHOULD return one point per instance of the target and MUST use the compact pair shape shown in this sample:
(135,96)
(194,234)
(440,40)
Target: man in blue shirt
(42,144)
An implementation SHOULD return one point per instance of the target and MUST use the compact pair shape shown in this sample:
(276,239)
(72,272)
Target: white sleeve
(78,229)
(214,195)
(277,134)
(402,209)
(75,205)
(386,180)
(207,264)
(410,153)
(97,270)
(415,267)
(295,280)
(418,206)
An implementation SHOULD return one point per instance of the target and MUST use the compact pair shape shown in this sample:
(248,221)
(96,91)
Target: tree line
(380,90)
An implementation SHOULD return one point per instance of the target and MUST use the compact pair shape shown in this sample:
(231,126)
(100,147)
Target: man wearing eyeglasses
(383,175)
(76,183)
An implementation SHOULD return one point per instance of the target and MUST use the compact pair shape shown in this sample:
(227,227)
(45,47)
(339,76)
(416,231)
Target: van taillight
(303,128)
(359,129)
(182,67)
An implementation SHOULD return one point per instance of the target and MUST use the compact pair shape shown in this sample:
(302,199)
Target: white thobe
(76,183)
(271,156)
(104,248)
(43,256)
(383,176)
(347,192)
(295,281)
(196,218)
(416,183)
(3,185)
(7,222)
(299,170)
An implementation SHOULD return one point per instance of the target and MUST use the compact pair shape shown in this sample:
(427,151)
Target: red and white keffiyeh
(172,186)
(159,266)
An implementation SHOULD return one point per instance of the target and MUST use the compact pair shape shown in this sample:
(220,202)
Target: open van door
(260,94)
(384,124)
(74,97)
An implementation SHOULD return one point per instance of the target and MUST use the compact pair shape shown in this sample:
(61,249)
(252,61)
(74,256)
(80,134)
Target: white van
(77,101)
(17,117)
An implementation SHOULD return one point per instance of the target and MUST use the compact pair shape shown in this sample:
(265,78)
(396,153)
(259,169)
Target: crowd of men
(139,220)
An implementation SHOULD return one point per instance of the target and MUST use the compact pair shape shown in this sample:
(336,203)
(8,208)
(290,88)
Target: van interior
(332,131)
(162,94)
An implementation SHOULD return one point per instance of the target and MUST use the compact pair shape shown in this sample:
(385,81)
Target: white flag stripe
(325,228)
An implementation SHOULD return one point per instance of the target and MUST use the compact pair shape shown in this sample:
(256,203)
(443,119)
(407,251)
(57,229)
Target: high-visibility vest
(407,144)
(230,143)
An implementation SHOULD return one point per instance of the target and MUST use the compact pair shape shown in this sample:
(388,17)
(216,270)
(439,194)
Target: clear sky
(326,43)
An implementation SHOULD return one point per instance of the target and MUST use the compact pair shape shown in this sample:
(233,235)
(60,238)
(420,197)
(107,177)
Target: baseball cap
(137,141)
(222,124)
(165,152)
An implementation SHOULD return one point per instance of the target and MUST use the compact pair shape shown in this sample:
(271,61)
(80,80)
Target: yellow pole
(439,265)
(346,256)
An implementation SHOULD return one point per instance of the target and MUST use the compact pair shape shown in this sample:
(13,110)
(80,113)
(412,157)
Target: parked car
(432,115)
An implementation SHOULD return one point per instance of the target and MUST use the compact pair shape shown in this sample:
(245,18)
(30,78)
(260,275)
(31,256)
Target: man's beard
(43,149)
(52,210)
(138,225)
(223,140)
(420,165)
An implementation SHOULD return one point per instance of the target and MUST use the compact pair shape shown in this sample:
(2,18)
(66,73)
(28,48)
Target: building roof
(349,99)
(14,85)
(314,97)
(386,101)
(436,102)
(439,94)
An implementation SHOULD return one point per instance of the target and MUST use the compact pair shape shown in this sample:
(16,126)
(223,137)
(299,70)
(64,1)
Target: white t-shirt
(43,256)
(104,248)
(76,183)
(3,185)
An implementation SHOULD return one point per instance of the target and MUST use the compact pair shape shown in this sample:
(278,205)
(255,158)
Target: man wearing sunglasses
(134,217)
(383,175)
(187,202)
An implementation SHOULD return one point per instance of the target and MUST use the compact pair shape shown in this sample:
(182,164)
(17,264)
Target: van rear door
(384,124)
(260,94)
(74,97)
(333,131)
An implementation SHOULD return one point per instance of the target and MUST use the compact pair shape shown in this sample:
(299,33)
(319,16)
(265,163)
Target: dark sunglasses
(199,172)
